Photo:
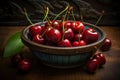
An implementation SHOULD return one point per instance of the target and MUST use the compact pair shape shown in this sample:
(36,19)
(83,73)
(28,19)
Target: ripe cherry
(38,39)
(90,35)
(92,65)
(37,29)
(101,58)
(79,43)
(107,45)
(15,59)
(77,37)
(77,26)
(55,24)
(68,34)
(24,65)
(64,43)
(66,25)
(53,35)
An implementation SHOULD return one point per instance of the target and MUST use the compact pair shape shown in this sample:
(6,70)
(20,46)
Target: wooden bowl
(63,57)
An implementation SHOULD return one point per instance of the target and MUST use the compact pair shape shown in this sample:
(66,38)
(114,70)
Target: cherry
(64,43)
(101,58)
(107,45)
(55,24)
(15,59)
(38,39)
(37,29)
(77,37)
(53,35)
(79,43)
(66,24)
(77,26)
(68,34)
(90,35)
(24,65)
(92,65)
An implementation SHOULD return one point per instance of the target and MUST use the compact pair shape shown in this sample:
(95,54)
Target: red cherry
(67,24)
(64,43)
(82,43)
(15,59)
(24,65)
(53,35)
(79,43)
(77,26)
(38,39)
(76,43)
(63,23)
(101,58)
(92,65)
(55,24)
(77,37)
(37,29)
(90,36)
(68,34)
(107,45)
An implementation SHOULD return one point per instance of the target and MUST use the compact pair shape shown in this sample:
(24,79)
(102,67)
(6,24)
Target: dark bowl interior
(63,56)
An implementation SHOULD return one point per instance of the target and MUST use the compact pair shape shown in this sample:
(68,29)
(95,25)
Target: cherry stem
(73,15)
(26,14)
(79,34)
(68,15)
(46,13)
(63,24)
(99,18)
(81,17)
(60,13)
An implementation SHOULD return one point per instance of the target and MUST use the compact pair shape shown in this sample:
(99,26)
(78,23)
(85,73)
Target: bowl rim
(29,42)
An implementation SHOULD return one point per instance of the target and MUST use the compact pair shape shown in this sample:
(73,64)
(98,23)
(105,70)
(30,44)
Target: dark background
(12,13)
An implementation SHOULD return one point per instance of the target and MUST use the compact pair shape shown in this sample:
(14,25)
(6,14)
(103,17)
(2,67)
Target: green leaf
(13,45)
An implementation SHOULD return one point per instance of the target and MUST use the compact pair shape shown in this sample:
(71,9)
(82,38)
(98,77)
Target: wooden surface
(110,71)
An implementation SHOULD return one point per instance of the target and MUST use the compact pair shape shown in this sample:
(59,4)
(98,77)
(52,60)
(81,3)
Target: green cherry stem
(81,17)
(63,19)
(26,14)
(46,13)
(60,13)
(99,18)
(73,15)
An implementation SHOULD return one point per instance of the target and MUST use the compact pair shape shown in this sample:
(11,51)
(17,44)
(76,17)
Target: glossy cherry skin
(53,35)
(37,29)
(101,58)
(92,65)
(77,26)
(24,65)
(78,37)
(79,43)
(66,25)
(68,34)
(55,24)
(90,36)
(64,43)
(38,39)
(107,45)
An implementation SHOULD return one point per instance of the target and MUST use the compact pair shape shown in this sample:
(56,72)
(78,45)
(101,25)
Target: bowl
(63,57)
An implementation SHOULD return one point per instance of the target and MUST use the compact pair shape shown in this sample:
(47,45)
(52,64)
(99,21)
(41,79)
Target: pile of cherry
(63,34)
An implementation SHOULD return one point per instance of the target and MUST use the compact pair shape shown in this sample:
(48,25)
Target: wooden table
(110,71)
